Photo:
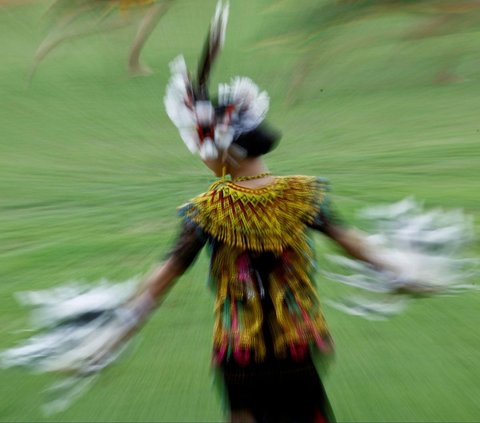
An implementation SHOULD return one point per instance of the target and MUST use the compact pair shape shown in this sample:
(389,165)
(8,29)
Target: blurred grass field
(91,172)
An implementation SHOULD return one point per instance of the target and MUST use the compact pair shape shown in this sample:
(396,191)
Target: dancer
(269,326)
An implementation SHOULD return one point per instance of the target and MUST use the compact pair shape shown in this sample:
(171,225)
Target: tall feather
(212,47)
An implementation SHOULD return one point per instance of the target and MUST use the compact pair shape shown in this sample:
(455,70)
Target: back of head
(258,141)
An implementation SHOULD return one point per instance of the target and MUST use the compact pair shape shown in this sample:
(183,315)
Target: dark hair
(259,141)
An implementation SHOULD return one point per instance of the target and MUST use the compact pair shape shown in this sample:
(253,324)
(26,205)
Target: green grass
(91,172)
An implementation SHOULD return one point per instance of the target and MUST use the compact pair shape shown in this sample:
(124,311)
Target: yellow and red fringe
(269,219)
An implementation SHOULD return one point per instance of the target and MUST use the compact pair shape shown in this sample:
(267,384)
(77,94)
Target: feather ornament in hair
(212,47)
(179,104)
(205,129)
(187,105)
(249,103)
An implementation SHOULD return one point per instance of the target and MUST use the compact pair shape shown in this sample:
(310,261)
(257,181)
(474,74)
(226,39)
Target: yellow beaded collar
(269,218)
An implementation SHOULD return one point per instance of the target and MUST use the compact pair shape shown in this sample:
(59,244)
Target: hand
(124,322)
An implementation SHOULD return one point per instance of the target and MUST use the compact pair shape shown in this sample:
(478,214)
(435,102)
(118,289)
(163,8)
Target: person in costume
(268,319)
(269,326)
(101,15)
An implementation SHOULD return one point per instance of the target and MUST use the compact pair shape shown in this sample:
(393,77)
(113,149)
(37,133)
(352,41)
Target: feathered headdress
(206,128)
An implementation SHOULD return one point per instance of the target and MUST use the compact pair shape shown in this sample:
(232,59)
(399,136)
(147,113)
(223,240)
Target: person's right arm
(153,290)
(157,284)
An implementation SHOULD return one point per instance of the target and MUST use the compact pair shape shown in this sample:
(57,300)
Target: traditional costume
(267,313)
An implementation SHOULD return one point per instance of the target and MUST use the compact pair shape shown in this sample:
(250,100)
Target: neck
(249,167)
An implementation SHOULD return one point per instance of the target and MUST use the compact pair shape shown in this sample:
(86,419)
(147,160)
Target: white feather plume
(251,104)
(79,330)
(425,252)
(79,321)
(190,138)
(59,304)
(178,104)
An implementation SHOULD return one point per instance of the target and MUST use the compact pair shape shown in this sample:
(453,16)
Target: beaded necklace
(250,178)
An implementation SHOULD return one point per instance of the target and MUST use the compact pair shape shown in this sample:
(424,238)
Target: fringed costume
(268,320)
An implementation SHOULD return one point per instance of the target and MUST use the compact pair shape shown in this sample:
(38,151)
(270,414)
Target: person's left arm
(356,244)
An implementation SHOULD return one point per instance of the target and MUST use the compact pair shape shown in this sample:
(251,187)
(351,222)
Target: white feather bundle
(423,250)
(63,303)
(80,323)
(75,349)
(83,329)
(251,104)
(179,106)
(204,112)
(406,224)
(248,105)
(224,97)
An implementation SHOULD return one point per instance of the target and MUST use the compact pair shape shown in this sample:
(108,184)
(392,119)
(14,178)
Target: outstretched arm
(136,311)
(351,240)
(356,245)
(154,289)
(162,278)
(157,284)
